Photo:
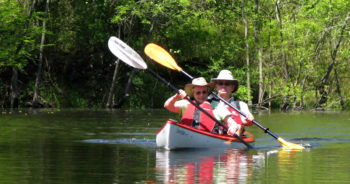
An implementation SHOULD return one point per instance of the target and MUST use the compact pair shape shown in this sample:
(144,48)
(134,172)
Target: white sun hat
(226,75)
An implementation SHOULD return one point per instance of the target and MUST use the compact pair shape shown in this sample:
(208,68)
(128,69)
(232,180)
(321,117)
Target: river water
(100,146)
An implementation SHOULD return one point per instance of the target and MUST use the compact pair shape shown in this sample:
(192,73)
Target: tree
(247,53)
(35,102)
(257,29)
(324,80)
(17,44)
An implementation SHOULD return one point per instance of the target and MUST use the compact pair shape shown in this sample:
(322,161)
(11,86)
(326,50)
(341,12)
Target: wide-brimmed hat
(200,81)
(226,75)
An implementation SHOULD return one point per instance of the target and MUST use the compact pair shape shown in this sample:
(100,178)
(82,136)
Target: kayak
(174,135)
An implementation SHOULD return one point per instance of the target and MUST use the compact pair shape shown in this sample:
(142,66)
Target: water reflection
(228,166)
(205,166)
(97,146)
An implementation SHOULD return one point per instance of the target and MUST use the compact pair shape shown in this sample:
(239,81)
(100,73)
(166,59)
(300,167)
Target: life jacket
(193,117)
(234,114)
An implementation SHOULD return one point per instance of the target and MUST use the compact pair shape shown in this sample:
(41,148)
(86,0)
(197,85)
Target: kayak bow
(178,136)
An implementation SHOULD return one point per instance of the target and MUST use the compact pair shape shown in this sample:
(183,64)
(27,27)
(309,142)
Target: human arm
(224,115)
(248,120)
(170,103)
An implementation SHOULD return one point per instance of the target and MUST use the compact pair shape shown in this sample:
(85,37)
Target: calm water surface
(99,146)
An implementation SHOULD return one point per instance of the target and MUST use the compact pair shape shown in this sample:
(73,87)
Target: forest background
(287,54)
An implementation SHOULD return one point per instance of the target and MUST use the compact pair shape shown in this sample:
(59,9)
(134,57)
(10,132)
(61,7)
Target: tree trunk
(301,104)
(14,88)
(270,95)
(109,103)
(278,17)
(271,63)
(35,102)
(324,81)
(126,92)
(257,29)
(247,53)
(14,79)
(338,90)
(285,104)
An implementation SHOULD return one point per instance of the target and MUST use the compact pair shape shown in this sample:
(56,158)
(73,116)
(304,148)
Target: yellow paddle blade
(161,56)
(290,145)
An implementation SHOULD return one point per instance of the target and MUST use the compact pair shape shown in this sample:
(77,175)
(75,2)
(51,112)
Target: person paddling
(199,90)
(226,85)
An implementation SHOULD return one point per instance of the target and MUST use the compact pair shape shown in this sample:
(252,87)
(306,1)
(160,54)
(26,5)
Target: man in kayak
(199,90)
(226,85)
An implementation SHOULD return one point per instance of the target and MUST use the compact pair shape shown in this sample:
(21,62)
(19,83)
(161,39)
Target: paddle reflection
(203,166)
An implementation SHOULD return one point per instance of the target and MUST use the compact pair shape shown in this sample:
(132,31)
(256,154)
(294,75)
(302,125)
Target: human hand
(234,129)
(181,93)
(249,120)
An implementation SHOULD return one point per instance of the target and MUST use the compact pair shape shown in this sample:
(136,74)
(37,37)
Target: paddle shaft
(266,130)
(196,105)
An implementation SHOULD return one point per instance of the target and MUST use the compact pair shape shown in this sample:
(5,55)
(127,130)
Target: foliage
(203,36)
(17,39)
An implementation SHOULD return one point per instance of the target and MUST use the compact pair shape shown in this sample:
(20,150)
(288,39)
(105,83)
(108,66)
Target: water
(99,146)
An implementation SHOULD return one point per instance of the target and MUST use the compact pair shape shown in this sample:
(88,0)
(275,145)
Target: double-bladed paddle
(163,57)
(133,59)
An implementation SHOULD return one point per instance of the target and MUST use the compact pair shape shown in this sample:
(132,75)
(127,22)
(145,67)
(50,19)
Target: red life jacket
(206,123)
(235,116)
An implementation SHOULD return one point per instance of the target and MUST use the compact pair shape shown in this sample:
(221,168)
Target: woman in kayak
(199,90)
(226,85)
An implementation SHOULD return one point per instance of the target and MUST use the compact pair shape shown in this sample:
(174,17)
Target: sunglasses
(224,83)
(201,92)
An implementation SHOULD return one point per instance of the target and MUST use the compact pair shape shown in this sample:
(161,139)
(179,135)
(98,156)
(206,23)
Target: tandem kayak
(174,135)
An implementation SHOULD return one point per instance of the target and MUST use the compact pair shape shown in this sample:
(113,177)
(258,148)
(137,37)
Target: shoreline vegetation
(287,55)
(52,110)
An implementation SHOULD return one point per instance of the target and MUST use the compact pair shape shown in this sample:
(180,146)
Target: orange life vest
(205,123)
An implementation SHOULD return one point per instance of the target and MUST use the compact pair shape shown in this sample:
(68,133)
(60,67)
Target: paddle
(163,57)
(133,59)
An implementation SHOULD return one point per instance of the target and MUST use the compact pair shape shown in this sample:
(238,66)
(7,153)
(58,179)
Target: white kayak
(174,135)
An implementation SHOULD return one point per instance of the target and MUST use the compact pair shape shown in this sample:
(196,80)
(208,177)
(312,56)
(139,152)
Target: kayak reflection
(203,166)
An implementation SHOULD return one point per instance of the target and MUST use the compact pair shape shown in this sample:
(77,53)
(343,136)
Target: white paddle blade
(125,53)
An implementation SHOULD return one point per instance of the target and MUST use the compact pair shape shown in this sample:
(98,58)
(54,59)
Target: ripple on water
(131,141)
